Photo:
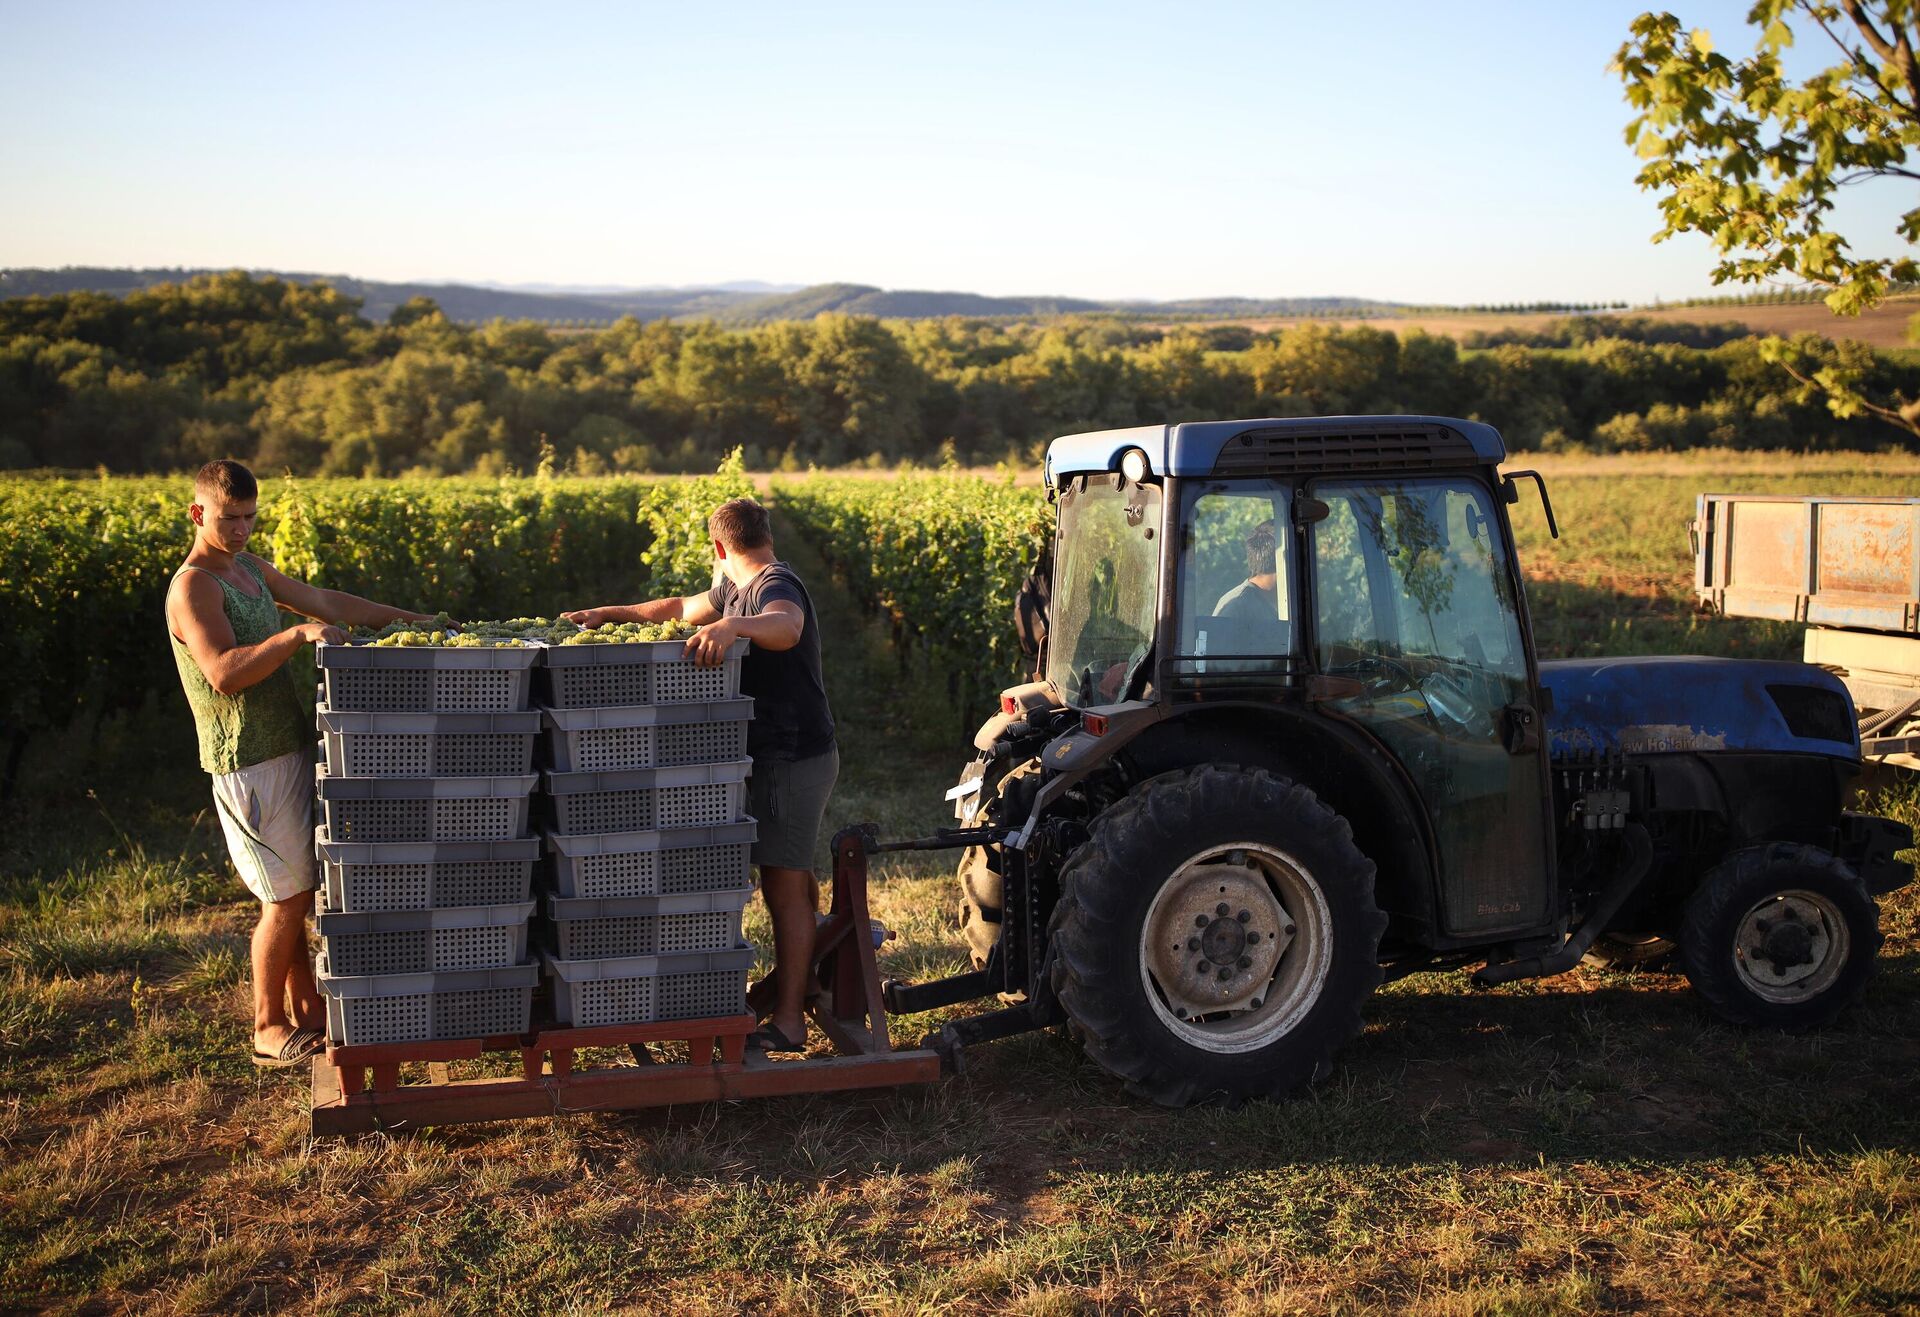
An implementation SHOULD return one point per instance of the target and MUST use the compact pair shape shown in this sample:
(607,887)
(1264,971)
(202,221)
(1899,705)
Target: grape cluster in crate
(433,820)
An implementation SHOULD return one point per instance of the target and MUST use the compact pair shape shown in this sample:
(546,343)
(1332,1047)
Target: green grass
(1593,1142)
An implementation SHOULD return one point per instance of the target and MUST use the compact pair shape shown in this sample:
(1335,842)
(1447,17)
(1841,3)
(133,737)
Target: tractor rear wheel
(1216,937)
(1782,936)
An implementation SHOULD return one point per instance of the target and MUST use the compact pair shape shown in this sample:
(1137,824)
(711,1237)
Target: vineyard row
(84,565)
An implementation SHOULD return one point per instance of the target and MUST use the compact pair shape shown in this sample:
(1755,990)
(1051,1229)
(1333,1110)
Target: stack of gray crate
(647,837)
(425,788)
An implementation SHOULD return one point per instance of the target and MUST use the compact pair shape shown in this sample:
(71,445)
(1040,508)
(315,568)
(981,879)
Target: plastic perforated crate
(424,941)
(645,735)
(418,1008)
(427,679)
(424,875)
(643,989)
(648,799)
(427,744)
(595,929)
(682,860)
(649,672)
(380,809)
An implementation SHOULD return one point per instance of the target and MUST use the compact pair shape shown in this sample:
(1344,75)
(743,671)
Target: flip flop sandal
(300,1044)
(768,1038)
(760,993)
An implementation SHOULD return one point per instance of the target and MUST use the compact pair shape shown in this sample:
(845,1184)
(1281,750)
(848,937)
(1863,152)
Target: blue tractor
(1293,739)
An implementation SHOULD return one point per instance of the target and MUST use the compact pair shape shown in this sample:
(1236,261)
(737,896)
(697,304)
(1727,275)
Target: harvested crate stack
(646,831)
(425,784)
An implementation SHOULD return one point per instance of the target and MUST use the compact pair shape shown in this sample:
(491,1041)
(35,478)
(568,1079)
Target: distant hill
(744,303)
(907,304)
(467,303)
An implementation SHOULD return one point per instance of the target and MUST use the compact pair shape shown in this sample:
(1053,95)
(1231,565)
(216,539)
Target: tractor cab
(1352,571)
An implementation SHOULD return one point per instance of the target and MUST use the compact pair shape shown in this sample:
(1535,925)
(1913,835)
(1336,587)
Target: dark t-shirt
(1247,602)
(1256,626)
(791,719)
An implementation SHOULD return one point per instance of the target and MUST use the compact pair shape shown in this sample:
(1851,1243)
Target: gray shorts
(789,798)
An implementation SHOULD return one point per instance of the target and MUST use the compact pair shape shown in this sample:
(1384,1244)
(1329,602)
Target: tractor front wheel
(1783,936)
(1216,937)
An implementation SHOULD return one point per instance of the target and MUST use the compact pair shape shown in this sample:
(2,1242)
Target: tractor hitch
(850,847)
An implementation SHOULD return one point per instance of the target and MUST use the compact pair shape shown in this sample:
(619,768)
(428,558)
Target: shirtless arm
(694,608)
(335,606)
(198,618)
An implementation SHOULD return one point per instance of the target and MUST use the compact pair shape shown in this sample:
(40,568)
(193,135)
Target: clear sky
(1408,151)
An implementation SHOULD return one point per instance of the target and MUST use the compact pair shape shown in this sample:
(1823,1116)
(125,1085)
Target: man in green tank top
(256,735)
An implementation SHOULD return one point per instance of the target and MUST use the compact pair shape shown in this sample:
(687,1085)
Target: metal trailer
(1847,567)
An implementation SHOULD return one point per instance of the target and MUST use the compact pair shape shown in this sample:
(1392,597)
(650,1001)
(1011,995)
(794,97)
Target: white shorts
(266,810)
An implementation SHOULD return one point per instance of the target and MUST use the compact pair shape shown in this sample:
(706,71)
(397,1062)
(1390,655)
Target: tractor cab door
(1415,606)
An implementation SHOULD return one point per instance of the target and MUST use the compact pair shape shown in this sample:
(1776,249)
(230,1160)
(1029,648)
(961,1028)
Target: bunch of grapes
(378,635)
(629,633)
(551,631)
(519,631)
(453,639)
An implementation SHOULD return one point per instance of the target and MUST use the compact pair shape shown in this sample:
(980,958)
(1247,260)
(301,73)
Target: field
(1593,1142)
(1883,327)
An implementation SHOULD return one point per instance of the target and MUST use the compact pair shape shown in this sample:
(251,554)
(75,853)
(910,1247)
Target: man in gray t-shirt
(795,758)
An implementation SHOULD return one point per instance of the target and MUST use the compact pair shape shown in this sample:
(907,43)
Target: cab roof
(1197,448)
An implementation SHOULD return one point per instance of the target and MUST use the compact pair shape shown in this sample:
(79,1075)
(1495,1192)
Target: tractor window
(1236,583)
(1411,578)
(1106,592)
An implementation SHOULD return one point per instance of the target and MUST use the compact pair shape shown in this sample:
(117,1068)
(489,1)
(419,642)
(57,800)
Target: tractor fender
(1079,749)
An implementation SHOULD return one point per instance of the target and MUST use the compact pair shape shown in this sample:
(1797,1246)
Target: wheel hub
(1216,938)
(1787,943)
(1224,940)
(1790,946)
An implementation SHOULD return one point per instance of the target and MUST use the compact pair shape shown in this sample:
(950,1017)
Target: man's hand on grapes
(588,618)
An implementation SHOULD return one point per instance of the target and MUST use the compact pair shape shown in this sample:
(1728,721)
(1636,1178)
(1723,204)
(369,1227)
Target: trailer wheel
(1216,937)
(1782,936)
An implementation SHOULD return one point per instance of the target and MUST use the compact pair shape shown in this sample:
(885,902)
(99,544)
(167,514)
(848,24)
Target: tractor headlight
(1133,465)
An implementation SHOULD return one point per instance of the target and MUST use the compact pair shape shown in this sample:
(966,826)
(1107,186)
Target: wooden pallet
(357,1089)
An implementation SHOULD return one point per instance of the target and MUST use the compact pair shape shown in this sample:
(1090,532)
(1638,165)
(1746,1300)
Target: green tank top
(263,721)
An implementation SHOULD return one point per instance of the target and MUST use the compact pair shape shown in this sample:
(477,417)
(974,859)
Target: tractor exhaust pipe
(1632,873)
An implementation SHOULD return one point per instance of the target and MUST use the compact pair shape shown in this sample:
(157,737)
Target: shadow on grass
(1637,1073)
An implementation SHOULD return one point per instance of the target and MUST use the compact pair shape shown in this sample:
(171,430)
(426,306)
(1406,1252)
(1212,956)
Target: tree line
(294,377)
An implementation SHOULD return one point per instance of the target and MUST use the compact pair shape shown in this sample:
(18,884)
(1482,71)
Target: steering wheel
(1379,672)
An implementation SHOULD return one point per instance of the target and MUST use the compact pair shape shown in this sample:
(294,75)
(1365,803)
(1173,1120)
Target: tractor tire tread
(1089,912)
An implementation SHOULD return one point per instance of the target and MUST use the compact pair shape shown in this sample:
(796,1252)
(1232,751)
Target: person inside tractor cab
(796,759)
(1253,606)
